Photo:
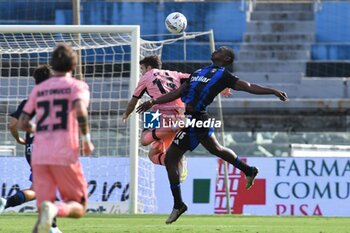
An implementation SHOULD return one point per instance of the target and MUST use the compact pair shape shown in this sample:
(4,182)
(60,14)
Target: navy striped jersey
(206,83)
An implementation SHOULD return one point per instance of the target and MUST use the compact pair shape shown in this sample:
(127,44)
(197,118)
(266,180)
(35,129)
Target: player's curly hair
(153,61)
(42,73)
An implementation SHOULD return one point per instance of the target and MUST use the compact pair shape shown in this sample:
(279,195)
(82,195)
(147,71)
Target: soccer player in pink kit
(60,105)
(157,82)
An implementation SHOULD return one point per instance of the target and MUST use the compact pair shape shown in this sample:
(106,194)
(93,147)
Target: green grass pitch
(93,223)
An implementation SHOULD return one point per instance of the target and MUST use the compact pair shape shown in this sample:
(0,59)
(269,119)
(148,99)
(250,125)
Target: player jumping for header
(197,93)
(157,82)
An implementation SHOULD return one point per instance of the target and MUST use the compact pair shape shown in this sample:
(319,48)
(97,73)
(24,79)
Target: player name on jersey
(54,92)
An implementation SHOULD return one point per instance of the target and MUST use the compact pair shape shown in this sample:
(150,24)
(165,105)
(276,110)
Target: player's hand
(88,148)
(281,95)
(125,117)
(21,141)
(144,106)
(226,92)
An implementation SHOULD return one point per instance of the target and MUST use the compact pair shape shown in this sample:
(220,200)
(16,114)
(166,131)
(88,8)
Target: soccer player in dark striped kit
(197,93)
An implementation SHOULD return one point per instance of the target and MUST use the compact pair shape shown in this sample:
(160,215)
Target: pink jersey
(56,139)
(158,82)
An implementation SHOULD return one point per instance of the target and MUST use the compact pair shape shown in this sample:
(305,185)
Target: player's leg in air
(160,140)
(172,160)
(212,145)
(188,139)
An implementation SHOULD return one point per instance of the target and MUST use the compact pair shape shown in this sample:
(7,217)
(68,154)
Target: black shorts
(189,137)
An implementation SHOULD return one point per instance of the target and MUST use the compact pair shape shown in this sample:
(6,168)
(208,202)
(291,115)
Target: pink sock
(159,133)
(162,158)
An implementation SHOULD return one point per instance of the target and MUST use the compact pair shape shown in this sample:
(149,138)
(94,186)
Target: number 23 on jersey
(60,108)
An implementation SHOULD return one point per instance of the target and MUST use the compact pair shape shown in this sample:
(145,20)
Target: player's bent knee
(155,159)
(158,158)
(83,212)
(146,138)
(77,214)
(145,142)
(77,211)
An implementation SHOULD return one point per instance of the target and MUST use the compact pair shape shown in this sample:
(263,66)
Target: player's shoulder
(206,69)
(80,84)
(36,88)
(45,85)
(148,75)
(177,73)
(197,71)
(227,73)
(153,74)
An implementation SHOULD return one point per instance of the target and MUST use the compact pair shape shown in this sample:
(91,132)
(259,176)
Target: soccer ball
(176,22)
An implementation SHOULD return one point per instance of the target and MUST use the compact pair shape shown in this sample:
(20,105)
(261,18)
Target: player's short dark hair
(229,52)
(63,59)
(42,73)
(153,61)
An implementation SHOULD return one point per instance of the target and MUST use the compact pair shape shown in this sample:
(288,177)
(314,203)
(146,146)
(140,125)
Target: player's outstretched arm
(25,124)
(82,117)
(242,85)
(163,99)
(14,132)
(130,108)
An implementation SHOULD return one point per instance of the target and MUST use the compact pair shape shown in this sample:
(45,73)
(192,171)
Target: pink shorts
(68,180)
